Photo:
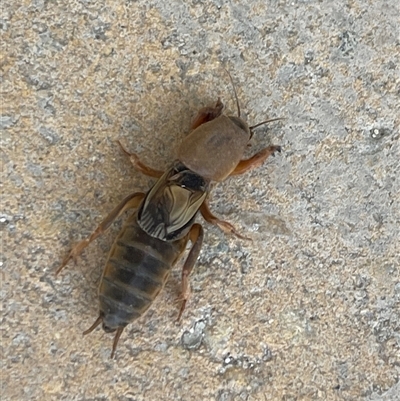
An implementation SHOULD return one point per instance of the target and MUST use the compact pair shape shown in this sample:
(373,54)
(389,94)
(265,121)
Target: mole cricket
(163,219)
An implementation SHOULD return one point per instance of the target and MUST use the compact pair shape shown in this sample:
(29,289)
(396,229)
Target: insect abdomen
(137,269)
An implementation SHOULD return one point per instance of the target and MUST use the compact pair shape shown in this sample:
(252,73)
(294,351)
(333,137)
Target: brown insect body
(156,234)
(148,246)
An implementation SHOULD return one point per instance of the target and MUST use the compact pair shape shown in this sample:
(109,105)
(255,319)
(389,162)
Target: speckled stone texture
(307,310)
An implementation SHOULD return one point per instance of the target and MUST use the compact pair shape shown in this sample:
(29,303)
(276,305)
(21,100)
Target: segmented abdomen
(137,268)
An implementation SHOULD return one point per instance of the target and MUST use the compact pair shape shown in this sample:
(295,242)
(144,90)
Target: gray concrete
(309,310)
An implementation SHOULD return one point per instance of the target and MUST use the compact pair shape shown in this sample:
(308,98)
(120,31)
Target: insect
(163,222)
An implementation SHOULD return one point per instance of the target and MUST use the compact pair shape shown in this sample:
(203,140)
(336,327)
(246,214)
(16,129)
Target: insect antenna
(234,89)
(265,122)
(262,123)
(115,342)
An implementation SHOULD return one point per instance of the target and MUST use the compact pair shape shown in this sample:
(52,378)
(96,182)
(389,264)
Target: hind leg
(130,202)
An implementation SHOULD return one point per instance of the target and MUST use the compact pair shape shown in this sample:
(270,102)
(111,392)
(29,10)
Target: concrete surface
(310,309)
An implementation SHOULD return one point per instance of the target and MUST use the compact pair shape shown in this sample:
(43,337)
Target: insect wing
(171,205)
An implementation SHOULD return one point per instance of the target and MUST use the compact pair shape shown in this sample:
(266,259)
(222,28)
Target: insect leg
(223,225)
(207,114)
(255,161)
(138,165)
(195,235)
(130,202)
